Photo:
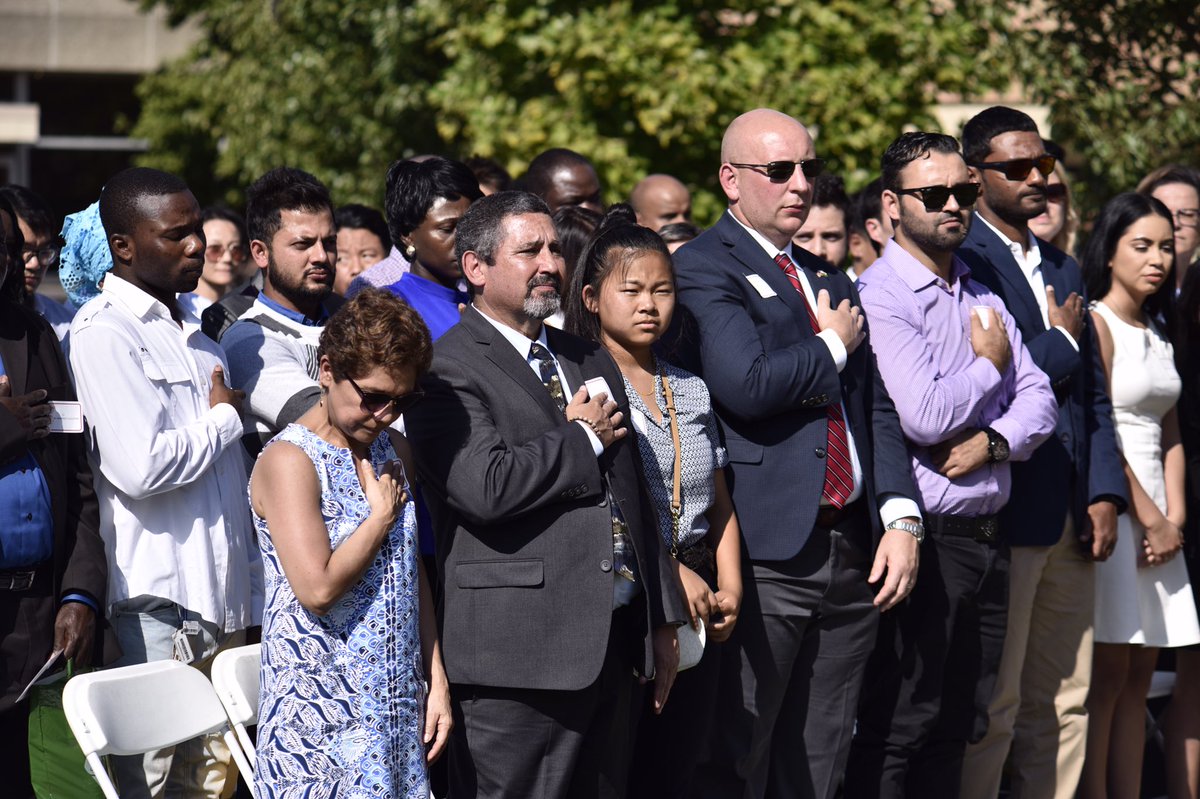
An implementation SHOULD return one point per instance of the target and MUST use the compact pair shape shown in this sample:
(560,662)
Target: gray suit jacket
(521,518)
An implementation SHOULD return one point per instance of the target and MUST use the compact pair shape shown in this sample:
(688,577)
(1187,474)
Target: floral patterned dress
(342,698)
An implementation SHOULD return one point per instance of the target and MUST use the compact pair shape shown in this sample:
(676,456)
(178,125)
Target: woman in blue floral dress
(349,638)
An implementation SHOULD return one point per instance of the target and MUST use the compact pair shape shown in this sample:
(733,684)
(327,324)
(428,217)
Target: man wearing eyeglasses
(1071,489)
(272,348)
(817,470)
(970,399)
(40,253)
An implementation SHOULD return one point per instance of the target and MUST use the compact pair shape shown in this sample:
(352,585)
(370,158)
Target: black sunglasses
(935,197)
(1019,168)
(782,171)
(379,404)
(1056,192)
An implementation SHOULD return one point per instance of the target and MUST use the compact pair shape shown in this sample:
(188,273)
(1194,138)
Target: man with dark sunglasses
(818,470)
(1071,489)
(970,399)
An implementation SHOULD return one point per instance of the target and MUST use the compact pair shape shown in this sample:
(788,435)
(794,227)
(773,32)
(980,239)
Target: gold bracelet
(588,422)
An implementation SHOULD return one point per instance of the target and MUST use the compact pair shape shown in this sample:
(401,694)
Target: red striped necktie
(839,469)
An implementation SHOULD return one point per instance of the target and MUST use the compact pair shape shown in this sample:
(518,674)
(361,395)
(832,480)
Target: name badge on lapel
(761,286)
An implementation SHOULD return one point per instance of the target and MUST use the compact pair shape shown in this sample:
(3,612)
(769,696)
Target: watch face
(1001,447)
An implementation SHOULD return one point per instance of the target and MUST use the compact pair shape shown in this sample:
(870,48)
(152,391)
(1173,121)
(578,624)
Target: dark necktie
(625,584)
(549,374)
(839,469)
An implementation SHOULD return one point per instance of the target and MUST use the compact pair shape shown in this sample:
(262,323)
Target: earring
(409,252)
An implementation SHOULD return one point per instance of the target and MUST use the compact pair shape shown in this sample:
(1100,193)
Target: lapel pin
(822,273)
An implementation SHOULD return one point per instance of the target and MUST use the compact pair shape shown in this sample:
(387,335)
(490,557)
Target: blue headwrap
(85,256)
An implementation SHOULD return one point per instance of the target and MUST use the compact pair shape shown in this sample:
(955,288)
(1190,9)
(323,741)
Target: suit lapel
(747,251)
(1008,272)
(505,358)
(14,349)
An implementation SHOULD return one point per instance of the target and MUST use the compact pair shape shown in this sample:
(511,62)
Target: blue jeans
(202,767)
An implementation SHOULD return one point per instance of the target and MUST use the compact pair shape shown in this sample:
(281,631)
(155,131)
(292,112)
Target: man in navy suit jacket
(1065,499)
(784,349)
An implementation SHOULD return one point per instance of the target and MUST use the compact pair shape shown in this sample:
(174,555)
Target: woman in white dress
(1143,598)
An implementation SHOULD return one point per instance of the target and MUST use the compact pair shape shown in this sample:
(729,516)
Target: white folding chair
(138,709)
(235,677)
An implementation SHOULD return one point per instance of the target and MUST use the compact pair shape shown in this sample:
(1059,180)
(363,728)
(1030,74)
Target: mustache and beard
(544,304)
(930,236)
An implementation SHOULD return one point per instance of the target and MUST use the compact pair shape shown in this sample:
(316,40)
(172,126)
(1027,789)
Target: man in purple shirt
(970,399)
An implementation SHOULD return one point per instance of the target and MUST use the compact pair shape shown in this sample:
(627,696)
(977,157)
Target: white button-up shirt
(1031,267)
(168,469)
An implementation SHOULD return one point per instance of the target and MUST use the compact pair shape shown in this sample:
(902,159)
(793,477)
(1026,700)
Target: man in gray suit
(550,568)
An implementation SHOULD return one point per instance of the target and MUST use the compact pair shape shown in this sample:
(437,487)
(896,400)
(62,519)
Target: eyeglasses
(782,171)
(1056,192)
(214,253)
(1019,168)
(1186,217)
(936,197)
(381,404)
(48,256)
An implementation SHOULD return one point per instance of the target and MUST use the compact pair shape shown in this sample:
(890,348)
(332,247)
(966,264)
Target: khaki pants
(1038,709)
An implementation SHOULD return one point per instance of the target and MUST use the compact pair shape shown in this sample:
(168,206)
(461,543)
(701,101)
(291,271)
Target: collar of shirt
(295,316)
(137,300)
(1028,262)
(769,248)
(519,340)
(916,275)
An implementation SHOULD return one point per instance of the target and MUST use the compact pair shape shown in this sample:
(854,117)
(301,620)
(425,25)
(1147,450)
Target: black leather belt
(981,528)
(17,579)
(830,517)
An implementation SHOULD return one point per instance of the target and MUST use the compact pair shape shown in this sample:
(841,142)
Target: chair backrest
(235,676)
(137,709)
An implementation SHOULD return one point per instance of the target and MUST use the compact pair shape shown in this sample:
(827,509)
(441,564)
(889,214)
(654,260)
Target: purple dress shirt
(921,334)
(382,274)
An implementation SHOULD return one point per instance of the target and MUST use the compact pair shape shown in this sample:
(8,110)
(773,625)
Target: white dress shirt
(1031,267)
(891,506)
(168,469)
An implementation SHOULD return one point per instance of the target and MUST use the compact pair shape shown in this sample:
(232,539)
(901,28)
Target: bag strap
(677,481)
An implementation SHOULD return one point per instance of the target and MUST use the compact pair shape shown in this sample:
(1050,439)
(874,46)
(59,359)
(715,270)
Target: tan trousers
(1038,709)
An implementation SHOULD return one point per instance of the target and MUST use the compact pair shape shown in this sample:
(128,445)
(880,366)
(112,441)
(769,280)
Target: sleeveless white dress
(1151,606)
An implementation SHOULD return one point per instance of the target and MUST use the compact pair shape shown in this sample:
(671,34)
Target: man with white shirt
(1066,497)
(272,347)
(163,427)
(555,591)
(818,470)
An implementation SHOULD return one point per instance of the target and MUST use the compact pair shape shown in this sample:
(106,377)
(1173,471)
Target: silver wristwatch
(917,530)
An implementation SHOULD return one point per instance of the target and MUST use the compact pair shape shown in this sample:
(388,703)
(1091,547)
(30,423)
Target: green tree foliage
(343,87)
(1122,79)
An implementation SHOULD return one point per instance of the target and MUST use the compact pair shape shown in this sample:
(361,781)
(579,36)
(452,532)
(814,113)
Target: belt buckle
(989,530)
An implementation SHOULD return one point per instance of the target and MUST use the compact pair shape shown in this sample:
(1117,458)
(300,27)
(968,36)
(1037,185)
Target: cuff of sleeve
(1116,500)
(593,439)
(986,374)
(83,600)
(229,424)
(836,348)
(895,506)
(1070,339)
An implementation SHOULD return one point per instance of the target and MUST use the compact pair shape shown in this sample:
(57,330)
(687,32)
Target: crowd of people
(871,496)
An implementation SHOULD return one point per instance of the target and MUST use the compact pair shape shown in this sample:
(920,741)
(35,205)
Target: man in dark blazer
(53,589)
(550,569)
(1065,499)
(818,469)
